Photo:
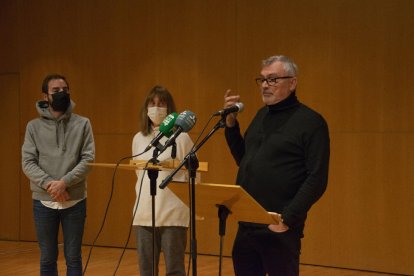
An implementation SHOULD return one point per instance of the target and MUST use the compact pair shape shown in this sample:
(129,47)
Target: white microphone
(238,107)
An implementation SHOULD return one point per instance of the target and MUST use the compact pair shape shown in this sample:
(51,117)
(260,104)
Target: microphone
(166,129)
(184,123)
(238,107)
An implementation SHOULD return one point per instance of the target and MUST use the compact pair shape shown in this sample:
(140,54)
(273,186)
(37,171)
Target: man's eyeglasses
(270,81)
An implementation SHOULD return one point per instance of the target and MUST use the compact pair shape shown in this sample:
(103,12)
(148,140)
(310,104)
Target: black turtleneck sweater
(283,158)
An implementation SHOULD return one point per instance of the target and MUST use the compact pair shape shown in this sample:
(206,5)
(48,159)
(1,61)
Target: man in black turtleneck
(283,161)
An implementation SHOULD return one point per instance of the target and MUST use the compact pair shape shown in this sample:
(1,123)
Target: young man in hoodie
(55,154)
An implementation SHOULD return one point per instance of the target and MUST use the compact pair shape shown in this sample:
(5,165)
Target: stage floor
(22,258)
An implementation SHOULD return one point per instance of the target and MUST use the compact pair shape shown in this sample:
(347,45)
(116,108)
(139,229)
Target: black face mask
(61,101)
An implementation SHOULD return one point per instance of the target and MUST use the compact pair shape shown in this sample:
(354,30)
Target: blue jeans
(47,223)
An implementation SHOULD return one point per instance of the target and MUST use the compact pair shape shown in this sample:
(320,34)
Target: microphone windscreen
(186,120)
(240,106)
(167,125)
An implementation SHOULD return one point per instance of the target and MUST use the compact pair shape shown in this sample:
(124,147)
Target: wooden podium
(219,201)
(241,205)
(140,164)
(171,164)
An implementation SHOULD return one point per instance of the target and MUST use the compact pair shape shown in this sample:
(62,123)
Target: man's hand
(279,227)
(63,197)
(230,101)
(57,190)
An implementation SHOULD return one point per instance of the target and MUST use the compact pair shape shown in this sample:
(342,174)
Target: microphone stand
(189,159)
(192,166)
(153,175)
(223,213)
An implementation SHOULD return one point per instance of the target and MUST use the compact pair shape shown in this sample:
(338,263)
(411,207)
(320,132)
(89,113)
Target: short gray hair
(290,67)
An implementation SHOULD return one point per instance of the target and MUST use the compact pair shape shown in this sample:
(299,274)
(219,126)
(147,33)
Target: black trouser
(257,251)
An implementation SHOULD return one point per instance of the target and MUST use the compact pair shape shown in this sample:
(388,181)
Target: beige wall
(10,159)
(355,60)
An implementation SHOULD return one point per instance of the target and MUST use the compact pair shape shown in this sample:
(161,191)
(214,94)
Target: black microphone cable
(107,208)
(202,131)
(132,220)
(189,190)
(136,207)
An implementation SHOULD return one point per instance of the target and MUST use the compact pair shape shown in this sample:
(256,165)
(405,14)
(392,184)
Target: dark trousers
(171,240)
(47,223)
(257,251)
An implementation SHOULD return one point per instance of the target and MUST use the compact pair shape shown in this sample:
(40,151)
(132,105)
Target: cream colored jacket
(169,209)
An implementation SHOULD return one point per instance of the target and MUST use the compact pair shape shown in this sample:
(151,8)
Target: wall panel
(354,62)
(10,158)
(366,195)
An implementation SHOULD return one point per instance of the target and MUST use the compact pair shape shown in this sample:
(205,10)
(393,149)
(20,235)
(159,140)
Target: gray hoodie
(58,149)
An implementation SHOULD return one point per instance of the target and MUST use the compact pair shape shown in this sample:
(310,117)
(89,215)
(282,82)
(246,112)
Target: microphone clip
(155,154)
(174,150)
